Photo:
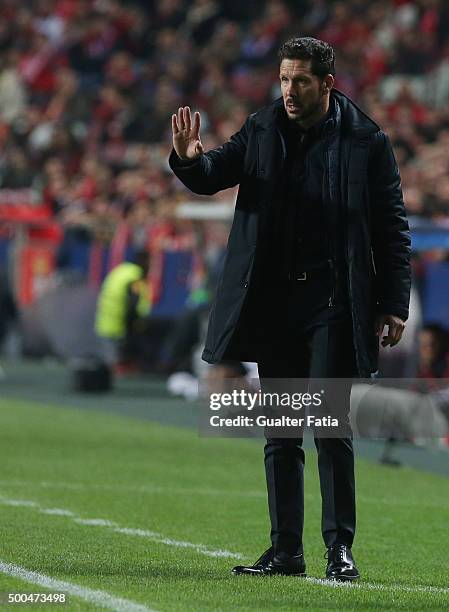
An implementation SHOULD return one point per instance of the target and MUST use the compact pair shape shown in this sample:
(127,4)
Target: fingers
(196,124)
(387,340)
(395,331)
(181,122)
(187,118)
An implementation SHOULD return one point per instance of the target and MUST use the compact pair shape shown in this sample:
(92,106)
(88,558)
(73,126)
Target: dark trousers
(308,339)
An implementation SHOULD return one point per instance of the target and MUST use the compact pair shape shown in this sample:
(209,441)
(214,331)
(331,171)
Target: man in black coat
(318,263)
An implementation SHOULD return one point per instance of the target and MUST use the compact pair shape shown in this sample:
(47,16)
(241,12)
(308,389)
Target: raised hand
(186,135)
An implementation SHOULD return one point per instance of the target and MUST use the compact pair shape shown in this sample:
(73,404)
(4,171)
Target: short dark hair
(319,52)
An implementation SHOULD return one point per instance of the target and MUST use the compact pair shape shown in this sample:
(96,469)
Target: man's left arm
(391,244)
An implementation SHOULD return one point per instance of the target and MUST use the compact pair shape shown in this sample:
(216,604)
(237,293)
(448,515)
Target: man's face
(303,92)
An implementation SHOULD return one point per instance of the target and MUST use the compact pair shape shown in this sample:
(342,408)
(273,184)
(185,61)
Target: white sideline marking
(57,512)
(95,522)
(143,533)
(201,548)
(20,502)
(100,598)
(156,537)
(378,587)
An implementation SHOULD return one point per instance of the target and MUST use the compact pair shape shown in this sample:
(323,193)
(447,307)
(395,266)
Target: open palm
(186,134)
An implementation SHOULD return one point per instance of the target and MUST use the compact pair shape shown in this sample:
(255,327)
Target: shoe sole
(269,575)
(343,578)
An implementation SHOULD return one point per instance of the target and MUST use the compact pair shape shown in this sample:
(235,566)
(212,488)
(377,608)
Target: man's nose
(289,90)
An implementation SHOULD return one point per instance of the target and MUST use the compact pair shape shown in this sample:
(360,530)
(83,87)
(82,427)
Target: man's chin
(295,113)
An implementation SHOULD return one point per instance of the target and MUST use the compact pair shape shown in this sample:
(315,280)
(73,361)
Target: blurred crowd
(87,88)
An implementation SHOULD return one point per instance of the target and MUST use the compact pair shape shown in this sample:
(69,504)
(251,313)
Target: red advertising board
(35,266)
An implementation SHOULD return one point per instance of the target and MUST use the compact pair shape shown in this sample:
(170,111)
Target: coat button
(245,284)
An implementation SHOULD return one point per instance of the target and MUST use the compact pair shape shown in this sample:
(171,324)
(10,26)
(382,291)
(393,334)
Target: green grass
(205,491)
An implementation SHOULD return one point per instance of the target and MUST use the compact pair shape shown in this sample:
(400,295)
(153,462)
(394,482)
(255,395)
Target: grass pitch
(146,512)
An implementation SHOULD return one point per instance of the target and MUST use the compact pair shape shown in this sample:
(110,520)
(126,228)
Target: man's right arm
(215,170)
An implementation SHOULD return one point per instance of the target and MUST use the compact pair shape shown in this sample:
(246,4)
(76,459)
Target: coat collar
(353,119)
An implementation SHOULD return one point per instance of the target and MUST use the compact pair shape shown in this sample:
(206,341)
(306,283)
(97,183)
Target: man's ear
(328,83)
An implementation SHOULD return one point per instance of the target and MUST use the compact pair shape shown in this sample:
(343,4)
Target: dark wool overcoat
(361,174)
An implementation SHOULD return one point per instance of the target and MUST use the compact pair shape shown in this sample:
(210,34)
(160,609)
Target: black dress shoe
(340,564)
(271,564)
